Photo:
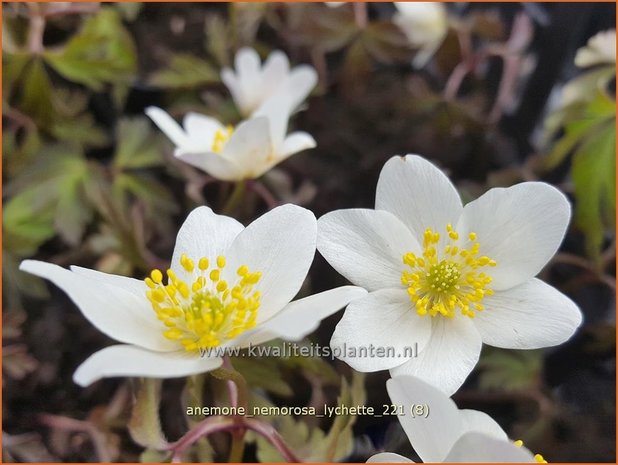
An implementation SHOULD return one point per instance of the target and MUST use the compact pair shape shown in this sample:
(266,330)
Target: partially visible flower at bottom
(228,286)
(446,434)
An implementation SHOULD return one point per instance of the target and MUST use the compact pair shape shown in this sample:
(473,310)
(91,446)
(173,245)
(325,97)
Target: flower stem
(273,436)
(229,374)
(237,448)
(235,198)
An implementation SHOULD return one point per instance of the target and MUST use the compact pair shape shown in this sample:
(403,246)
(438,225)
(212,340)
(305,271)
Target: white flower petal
(115,311)
(135,286)
(277,110)
(418,193)
(388,457)
(449,356)
(301,317)
(169,127)
(480,448)
(213,164)
(127,360)
(529,316)
(281,245)
(233,85)
(385,320)
(201,130)
(203,234)
(250,147)
(300,83)
(296,142)
(432,436)
(274,71)
(248,73)
(366,246)
(480,422)
(520,227)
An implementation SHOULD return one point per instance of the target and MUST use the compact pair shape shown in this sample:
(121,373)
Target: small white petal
(366,246)
(115,311)
(385,320)
(281,245)
(529,316)
(449,356)
(433,435)
(203,234)
(250,147)
(169,127)
(300,83)
(277,110)
(301,317)
(480,448)
(228,77)
(127,360)
(274,71)
(480,422)
(213,164)
(201,130)
(520,227)
(296,142)
(388,457)
(418,193)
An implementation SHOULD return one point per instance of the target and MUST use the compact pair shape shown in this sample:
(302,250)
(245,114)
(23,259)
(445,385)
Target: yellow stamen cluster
(439,284)
(221,138)
(538,457)
(206,311)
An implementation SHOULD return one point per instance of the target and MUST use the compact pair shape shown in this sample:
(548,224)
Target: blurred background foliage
(506,97)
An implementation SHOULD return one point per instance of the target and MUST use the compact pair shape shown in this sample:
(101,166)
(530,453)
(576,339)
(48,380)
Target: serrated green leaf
(102,52)
(264,373)
(144,425)
(137,145)
(155,196)
(185,72)
(55,185)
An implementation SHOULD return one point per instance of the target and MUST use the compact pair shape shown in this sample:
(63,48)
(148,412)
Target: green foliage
(185,72)
(102,52)
(508,370)
(588,120)
(144,425)
(313,444)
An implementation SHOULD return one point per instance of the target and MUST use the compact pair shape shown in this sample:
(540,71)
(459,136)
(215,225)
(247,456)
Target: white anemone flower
(425,24)
(253,84)
(228,286)
(440,432)
(233,154)
(444,278)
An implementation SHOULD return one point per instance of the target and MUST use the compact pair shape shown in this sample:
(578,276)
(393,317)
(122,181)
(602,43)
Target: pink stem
(203,429)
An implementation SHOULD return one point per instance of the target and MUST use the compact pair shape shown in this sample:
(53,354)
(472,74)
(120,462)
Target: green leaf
(55,185)
(102,52)
(144,425)
(264,373)
(36,93)
(185,71)
(594,178)
(155,196)
(510,370)
(138,146)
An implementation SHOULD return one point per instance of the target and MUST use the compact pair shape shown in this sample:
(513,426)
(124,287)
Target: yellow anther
(539,458)
(156,276)
(203,313)
(442,283)
(519,442)
(220,139)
